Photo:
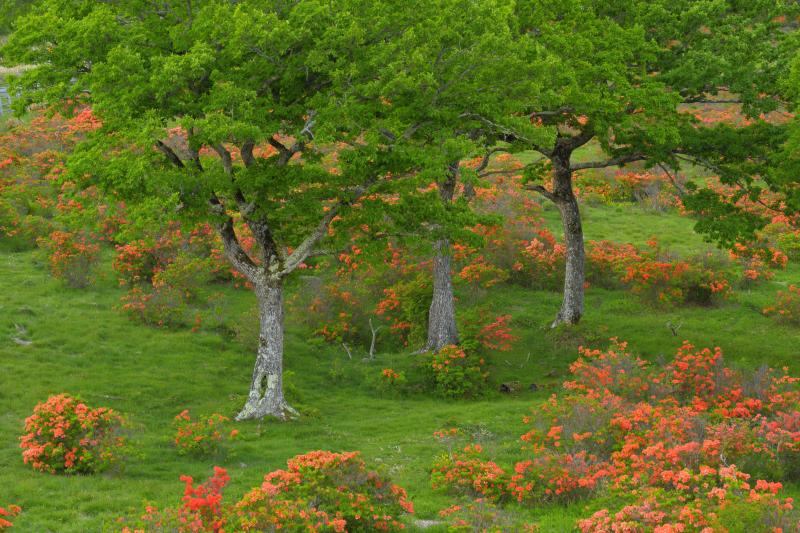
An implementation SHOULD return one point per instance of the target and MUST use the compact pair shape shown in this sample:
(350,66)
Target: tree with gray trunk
(223,112)
(455,60)
(615,74)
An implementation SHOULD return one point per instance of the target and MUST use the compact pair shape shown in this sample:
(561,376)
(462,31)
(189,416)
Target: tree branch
(616,161)
(232,247)
(302,252)
(170,154)
(541,190)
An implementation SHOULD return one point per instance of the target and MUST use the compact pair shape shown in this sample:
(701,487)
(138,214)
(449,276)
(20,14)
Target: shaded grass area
(80,345)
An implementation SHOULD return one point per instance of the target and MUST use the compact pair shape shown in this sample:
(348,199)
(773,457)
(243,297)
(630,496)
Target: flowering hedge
(686,444)
(319,491)
(64,435)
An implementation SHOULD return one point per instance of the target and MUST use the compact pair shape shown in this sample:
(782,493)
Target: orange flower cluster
(72,256)
(787,305)
(497,335)
(8,512)
(320,491)
(64,435)
(201,437)
(685,440)
(457,373)
(654,276)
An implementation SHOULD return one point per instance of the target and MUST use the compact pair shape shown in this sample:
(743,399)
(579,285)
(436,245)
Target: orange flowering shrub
(787,305)
(203,436)
(391,380)
(391,292)
(652,190)
(164,307)
(467,473)
(64,435)
(202,509)
(8,512)
(481,515)
(654,276)
(32,163)
(319,491)
(334,489)
(690,445)
(758,260)
(497,335)
(72,257)
(456,373)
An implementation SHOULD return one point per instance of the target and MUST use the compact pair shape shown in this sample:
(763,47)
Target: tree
(223,110)
(594,88)
(615,74)
(10,10)
(454,62)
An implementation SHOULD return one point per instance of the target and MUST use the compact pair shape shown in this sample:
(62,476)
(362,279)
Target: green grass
(81,345)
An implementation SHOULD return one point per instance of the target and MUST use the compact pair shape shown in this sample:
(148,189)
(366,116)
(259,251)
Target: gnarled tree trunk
(442,328)
(266,388)
(574,275)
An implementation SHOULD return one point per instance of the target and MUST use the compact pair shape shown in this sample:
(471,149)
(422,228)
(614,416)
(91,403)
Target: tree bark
(266,388)
(574,275)
(442,327)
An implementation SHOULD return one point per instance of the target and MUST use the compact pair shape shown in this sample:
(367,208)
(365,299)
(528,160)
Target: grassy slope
(80,345)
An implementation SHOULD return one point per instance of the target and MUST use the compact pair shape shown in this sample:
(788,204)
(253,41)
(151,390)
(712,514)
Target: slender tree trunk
(442,328)
(266,388)
(574,275)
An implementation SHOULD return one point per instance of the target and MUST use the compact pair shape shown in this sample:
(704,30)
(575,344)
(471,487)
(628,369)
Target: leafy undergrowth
(55,339)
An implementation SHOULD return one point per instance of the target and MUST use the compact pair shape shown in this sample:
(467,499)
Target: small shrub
(64,435)
(162,306)
(202,437)
(319,491)
(456,373)
(787,306)
(467,473)
(72,257)
(202,509)
(8,512)
(391,380)
(480,515)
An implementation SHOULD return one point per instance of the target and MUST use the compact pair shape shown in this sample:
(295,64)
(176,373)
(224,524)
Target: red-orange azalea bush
(202,509)
(655,276)
(72,256)
(787,305)
(64,435)
(203,436)
(686,445)
(455,372)
(6,513)
(319,491)
(481,515)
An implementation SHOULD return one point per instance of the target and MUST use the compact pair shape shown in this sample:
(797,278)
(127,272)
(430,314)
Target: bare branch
(615,161)
(302,252)
(170,153)
(234,251)
(374,331)
(247,153)
(309,125)
(485,162)
(541,190)
(225,156)
(673,179)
